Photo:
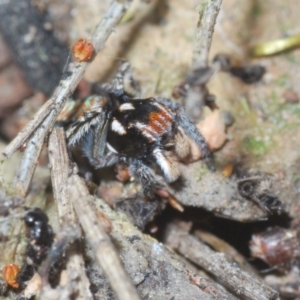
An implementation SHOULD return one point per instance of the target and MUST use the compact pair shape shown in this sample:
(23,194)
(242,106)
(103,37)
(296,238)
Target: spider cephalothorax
(139,132)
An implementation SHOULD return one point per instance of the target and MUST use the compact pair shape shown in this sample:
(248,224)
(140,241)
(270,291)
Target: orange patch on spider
(10,272)
(90,103)
(159,121)
(82,50)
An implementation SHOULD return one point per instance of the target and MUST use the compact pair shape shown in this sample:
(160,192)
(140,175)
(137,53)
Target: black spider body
(139,126)
(112,128)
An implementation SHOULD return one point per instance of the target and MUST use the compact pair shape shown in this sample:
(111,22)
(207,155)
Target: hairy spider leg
(190,130)
(118,80)
(144,175)
(124,84)
(90,130)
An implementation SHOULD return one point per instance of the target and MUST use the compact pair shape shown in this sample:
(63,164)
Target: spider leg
(107,160)
(190,130)
(102,89)
(93,147)
(168,164)
(90,131)
(95,118)
(144,176)
(124,83)
(182,146)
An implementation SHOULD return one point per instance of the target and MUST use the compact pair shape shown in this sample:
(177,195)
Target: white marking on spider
(142,127)
(117,127)
(163,108)
(163,126)
(168,164)
(126,106)
(166,122)
(111,148)
(146,131)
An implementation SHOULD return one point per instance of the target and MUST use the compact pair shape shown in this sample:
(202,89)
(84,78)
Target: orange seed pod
(10,272)
(82,50)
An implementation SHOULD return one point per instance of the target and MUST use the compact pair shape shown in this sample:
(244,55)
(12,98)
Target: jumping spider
(114,127)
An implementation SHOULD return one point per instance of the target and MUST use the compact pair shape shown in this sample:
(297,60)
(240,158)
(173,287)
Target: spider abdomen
(139,126)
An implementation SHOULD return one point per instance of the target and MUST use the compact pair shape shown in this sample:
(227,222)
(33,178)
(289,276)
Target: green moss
(201,171)
(292,58)
(201,7)
(296,177)
(255,146)
(294,108)
(283,80)
(256,10)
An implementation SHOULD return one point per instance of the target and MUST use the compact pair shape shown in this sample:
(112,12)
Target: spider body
(140,126)
(138,132)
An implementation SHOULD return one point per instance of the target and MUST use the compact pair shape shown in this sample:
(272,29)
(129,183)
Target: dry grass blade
(102,247)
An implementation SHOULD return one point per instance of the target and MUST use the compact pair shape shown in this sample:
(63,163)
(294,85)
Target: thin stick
(237,280)
(197,93)
(29,162)
(60,170)
(22,136)
(230,252)
(205,29)
(47,115)
(104,251)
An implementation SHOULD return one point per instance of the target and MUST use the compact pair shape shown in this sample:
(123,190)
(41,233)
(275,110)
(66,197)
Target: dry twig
(197,93)
(237,280)
(39,127)
(205,28)
(229,252)
(60,170)
(103,249)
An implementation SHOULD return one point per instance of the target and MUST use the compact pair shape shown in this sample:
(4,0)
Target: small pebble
(290,96)
(227,170)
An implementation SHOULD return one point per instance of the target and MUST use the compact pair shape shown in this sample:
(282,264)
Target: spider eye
(246,188)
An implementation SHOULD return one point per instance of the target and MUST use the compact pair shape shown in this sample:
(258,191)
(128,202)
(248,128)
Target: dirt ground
(157,38)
